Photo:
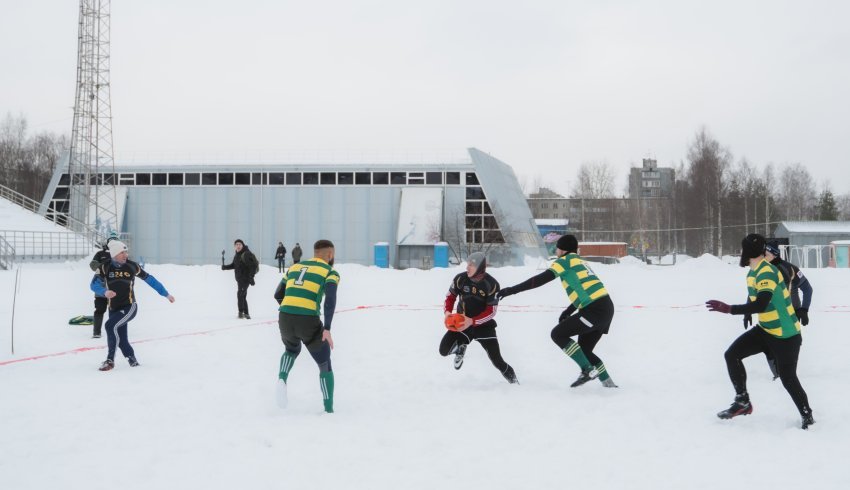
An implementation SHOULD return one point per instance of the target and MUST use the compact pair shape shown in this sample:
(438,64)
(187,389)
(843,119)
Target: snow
(14,217)
(200,413)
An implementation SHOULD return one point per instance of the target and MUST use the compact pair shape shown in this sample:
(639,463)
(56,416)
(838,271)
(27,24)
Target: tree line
(27,161)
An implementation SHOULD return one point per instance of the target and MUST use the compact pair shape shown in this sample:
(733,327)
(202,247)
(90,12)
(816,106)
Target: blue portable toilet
(441,254)
(382,255)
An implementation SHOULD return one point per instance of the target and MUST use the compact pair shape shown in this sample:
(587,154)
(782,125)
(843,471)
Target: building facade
(650,180)
(188,214)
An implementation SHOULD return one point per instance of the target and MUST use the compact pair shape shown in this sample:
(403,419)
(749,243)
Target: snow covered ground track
(199,412)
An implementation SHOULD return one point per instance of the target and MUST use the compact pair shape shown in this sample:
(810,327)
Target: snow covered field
(200,413)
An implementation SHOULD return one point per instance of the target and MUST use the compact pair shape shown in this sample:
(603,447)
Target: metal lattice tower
(92,205)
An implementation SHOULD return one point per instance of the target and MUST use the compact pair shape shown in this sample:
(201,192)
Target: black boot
(585,376)
(98,323)
(741,406)
(510,375)
(807,418)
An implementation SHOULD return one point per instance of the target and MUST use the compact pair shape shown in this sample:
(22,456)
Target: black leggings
(589,324)
(485,335)
(784,351)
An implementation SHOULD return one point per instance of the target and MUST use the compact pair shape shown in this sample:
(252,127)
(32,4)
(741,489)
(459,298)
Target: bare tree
(797,194)
(595,181)
(843,204)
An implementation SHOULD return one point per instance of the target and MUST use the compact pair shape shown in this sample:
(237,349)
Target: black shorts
(597,315)
(295,329)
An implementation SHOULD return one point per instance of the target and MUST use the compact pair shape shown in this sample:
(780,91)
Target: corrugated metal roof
(817,226)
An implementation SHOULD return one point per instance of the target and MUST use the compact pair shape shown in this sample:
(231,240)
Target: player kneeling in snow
(118,276)
(300,294)
(474,318)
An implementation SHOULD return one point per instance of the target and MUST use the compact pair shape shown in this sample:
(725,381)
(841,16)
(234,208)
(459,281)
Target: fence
(7,255)
(46,245)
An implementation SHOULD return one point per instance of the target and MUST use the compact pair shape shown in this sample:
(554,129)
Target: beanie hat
(478,260)
(751,247)
(116,247)
(568,243)
(773,248)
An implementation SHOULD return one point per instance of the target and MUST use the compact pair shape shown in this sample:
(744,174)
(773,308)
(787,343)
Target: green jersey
(582,285)
(305,286)
(778,319)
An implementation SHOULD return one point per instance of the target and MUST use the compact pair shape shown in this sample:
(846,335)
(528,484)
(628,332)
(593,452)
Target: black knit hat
(568,243)
(751,247)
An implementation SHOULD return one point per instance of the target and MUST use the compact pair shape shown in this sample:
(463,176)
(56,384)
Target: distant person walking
(118,276)
(777,332)
(245,266)
(296,253)
(280,255)
(300,295)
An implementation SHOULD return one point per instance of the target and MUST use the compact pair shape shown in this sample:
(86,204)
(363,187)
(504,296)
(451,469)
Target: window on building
(471,179)
(328,178)
(311,178)
(473,222)
(434,178)
(243,178)
(493,236)
(160,179)
(257,178)
(380,178)
(345,178)
(398,178)
(143,179)
(209,179)
(225,179)
(474,207)
(363,178)
(490,223)
(277,178)
(65,179)
(452,178)
(193,179)
(293,178)
(475,193)
(415,181)
(487,209)
(175,179)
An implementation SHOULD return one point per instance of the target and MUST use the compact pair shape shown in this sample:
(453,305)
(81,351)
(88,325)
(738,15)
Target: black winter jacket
(244,264)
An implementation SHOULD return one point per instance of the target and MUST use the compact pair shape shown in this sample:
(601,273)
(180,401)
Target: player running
(588,316)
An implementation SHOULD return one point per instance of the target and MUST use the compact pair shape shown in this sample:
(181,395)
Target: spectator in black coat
(245,266)
(280,255)
(296,253)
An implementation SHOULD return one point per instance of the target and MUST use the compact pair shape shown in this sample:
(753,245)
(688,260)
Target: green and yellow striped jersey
(305,286)
(778,319)
(582,285)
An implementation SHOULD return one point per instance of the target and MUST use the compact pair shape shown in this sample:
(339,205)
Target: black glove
(748,321)
(803,315)
(505,292)
(252,282)
(566,313)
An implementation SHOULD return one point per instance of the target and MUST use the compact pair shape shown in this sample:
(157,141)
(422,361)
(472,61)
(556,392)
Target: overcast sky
(541,85)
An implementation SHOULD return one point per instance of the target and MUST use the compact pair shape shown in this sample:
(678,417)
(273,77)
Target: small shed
(809,241)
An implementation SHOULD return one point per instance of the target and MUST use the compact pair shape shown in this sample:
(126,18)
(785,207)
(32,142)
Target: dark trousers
(116,326)
(281,263)
(485,335)
(588,323)
(100,304)
(242,295)
(784,351)
(298,329)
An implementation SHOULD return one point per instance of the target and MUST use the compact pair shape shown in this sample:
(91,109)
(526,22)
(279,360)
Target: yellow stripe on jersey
(556,267)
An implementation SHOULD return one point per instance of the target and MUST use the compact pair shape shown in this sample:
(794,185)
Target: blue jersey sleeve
(156,285)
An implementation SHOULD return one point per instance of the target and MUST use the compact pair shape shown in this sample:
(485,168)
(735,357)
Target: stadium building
(187,214)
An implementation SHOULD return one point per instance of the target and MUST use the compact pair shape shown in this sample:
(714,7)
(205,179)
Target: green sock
(286,362)
(574,351)
(603,373)
(326,381)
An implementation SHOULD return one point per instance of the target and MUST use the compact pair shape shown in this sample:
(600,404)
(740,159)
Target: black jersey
(477,299)
(120,279)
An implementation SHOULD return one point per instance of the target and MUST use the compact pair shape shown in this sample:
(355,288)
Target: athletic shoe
(459,352)
(741,406)
(280,394)
(132,360)
(107,365)
(609,383)
(96,336)
(246,316)
(241,315)
(585,376)
(510,375)
(807,420)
